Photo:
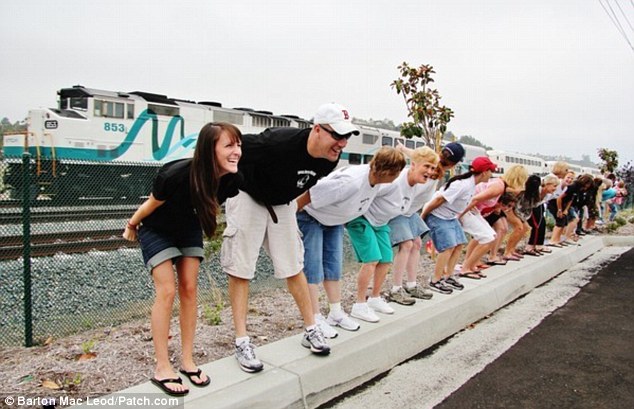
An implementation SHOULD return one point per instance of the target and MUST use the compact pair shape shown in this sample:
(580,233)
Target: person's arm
(559,200)
(431,205)
(302,200)
(488,193)
(146,209)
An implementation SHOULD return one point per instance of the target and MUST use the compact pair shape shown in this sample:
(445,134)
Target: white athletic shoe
(342,320)
(378,304)
(326,329)
(363,312)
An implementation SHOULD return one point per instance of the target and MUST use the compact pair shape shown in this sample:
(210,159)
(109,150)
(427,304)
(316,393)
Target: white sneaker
(342,320)
(378,304)
(326,329)
(363,312)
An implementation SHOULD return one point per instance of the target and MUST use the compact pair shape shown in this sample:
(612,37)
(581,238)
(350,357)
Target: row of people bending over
(283,181)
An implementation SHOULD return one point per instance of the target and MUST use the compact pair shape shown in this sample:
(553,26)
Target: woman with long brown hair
(184,203)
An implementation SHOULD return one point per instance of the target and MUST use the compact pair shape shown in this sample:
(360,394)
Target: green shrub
(620,221)
(611,227)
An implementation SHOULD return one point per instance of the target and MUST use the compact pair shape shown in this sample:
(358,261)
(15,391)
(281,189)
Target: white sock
(410,284)
(311,327)
(241,340)
(335,309)
(395,288)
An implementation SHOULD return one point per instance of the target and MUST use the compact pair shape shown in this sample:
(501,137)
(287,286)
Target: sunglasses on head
(336,136)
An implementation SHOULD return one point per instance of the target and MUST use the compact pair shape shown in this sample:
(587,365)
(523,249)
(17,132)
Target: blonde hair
(424,154)
(560,168)
(387,160)
(550,180)
(515,177)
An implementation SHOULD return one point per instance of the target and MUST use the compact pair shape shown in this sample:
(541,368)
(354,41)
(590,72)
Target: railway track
(42,245)
(39,215)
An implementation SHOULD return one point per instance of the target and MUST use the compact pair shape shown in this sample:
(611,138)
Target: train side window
(97,111)
(367,158)
(261,121)
(400,140)
(369,139)
(410,144)
(420,144)
(163,110)
(231,117)
(387,141)
(130,111)
(354,159)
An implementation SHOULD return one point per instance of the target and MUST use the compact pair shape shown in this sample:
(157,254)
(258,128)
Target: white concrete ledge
(295,378)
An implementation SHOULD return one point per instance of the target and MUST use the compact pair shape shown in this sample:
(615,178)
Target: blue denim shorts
(158,247)
(404,228)
(446,234)
(323,249)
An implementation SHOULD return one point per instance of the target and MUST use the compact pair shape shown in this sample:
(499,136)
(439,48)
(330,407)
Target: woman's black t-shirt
(177,214)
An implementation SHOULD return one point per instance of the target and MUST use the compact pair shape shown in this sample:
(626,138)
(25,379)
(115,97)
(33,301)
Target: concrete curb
(295,378)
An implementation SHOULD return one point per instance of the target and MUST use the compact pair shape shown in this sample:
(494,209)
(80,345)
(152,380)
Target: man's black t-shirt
(171,185)
(277,167)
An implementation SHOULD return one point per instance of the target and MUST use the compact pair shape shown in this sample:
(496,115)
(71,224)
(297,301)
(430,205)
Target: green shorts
(370,243)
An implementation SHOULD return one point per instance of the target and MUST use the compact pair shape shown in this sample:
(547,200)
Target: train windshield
(80,103)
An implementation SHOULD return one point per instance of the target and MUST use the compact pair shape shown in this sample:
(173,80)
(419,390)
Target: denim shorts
(158,247)
(446,234)
(404,228)
(370,243)
(323,249)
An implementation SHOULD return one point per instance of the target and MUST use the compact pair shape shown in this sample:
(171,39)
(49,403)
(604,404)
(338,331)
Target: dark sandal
(497,263)
(545,250)
(531,253)
(162,385)
(197,374)
(471,274)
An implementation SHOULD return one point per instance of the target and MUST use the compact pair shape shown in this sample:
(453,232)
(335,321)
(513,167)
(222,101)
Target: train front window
(130,111)
(80,103)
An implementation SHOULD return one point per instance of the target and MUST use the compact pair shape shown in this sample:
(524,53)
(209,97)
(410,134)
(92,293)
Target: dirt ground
(123,355)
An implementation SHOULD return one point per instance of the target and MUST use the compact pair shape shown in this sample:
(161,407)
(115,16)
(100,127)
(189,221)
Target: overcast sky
(547,76)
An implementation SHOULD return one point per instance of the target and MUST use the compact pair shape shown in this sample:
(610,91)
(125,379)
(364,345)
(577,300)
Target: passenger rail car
(505,160)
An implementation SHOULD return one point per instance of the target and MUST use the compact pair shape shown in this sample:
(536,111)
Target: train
(107,145)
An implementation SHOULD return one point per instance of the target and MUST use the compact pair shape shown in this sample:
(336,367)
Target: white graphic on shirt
(304,177)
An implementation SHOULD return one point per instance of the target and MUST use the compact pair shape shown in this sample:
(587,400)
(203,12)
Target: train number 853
(113,127)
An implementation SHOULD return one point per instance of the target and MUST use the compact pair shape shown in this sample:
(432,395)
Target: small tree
(429,118)
(610,160)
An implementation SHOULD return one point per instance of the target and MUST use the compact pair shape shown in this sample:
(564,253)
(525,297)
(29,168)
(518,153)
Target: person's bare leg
(298,287)
(239,297)
(165,287)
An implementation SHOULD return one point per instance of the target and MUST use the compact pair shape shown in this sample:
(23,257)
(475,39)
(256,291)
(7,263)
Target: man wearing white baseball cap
(337,117)
(278,165)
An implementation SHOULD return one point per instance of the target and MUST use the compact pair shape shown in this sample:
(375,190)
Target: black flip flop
(162,385)
(497,263)
(197,374)
(471,274)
